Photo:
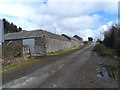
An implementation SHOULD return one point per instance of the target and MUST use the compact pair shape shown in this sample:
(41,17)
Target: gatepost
(1,41)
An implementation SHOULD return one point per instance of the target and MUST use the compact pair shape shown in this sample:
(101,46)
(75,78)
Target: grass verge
(117,72)
(65,51)
(23,62)
(104,51)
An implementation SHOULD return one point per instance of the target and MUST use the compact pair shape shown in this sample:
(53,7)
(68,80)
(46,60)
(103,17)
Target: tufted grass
(60,52)
(22,63)
(104,51)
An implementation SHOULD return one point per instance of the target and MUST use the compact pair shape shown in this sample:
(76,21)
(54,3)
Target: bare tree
(112,38)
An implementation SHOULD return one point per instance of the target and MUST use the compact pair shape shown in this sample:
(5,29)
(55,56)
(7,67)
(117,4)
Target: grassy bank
(22,63)
(65,51)
(104,51)
(117,72)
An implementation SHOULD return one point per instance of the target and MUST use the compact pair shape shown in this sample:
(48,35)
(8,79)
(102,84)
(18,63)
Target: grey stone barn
(79,38)
(75,41)
(40,41)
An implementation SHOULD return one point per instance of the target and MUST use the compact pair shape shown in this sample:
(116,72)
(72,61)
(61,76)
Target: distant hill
(10,27)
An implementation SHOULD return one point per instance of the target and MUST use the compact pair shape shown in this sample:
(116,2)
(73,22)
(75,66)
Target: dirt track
(73,70)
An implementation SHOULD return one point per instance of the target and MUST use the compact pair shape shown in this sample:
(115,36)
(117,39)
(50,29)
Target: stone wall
(13,42)
(40,48)
(54,45)
(45,45)
(73,43)
(76,43)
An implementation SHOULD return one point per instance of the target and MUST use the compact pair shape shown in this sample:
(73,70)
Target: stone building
(75,40)
(40,41)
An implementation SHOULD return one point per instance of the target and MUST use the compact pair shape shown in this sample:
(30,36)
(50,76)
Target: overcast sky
(82,17)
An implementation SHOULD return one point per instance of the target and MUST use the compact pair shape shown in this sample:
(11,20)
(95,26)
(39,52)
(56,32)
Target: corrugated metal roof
(22,35)
(33,34)
(76,36)
(71,38)
(55,36)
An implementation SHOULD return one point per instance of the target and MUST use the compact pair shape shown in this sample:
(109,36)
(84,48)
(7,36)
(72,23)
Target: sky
(86,18)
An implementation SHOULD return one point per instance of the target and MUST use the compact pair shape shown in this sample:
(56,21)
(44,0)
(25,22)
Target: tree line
(10,27)
(112,38)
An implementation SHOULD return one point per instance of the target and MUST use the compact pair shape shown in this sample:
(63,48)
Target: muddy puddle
(107,72)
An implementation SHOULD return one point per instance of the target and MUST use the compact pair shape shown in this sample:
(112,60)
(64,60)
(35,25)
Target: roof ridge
(42,33)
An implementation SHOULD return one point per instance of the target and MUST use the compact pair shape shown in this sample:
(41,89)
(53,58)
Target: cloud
(82,22)
(16,9)
(99,33)
(63,17)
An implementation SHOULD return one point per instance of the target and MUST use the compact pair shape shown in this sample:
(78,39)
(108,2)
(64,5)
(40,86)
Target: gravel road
(74,70)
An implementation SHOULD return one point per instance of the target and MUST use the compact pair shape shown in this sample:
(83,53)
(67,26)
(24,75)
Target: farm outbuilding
(75,41)
(40,41)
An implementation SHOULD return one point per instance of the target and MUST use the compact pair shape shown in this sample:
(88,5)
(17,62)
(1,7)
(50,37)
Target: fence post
(23,52)
(30,52)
